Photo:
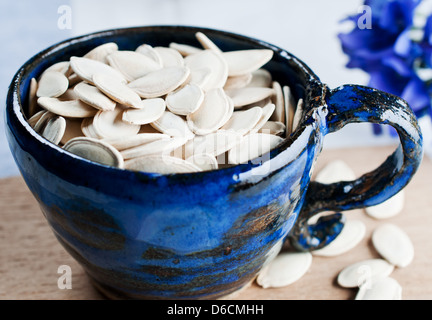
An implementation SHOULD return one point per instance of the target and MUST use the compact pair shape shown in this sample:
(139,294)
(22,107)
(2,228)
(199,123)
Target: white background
(306,28)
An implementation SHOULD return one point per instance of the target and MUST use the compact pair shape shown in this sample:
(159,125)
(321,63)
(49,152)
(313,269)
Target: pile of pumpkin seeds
(165,110)
(371,276)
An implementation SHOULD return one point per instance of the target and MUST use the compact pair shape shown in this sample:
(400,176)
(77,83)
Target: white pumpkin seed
(284,270)
(109,124)
(388,208)
(207,43)
(335,171)
(350,236)
(160,147)
(215,143)
(298,114)
(35,118)
(161,164)
(40,123)
(212,60)
(204,161)
(150,111)
(267,112)
(245,61)
(252,146)
(200,77)
(100,53)
(86,68)
(367,271)
(95,150)
(278,99)
(169,57)
(244,121)
(185,100)
(71,109)
(273,127)
(128,142)
(261,78)
(244,96)
(116,90)
(132,65)
(33,106)
(173,125)
(54,129)
(62,67)
(93,96)
(150,52)
(184,49)
(52,84)
(213,113)
(160,82)
(236,82)
(289,105)
(88,129)
(393,244)
(383,289)
(73,129)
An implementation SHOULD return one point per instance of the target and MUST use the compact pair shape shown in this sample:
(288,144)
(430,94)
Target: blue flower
(389,55)
(368,49)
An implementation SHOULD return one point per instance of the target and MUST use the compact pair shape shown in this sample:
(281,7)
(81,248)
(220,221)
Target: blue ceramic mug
(207,234)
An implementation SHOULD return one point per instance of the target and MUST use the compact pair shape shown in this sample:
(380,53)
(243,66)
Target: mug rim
(14,105)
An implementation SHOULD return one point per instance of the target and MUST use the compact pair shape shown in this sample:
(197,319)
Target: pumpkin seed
(52,84)
(284,270)
(173,125)
(95,150)
(128,142)
(245,61)
(252,146)
(160,82)
(150,111)
(335,171)
(71,109)
(161,164)
(383,289)
(116,90)
(388,208)
(209,59)
(93,96)
(109,124)
(54,129)
(100,53)
(243,121)
(86,68)
(393,244)
(244,96)
(360,272)
(204,161)
(132,65)
(213,113)
(351,235)
(169,57)
(185,100)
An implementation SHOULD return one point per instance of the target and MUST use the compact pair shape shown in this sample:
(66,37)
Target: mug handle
(350,104)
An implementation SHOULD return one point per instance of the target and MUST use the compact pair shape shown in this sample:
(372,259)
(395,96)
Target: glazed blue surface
(189,236)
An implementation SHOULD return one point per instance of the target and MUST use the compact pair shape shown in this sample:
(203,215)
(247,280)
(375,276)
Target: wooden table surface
(30,255)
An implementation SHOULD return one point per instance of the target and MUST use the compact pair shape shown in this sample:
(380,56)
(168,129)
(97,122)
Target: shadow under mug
(203,235)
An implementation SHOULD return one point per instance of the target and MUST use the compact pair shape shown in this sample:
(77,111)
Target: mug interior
(284,67)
